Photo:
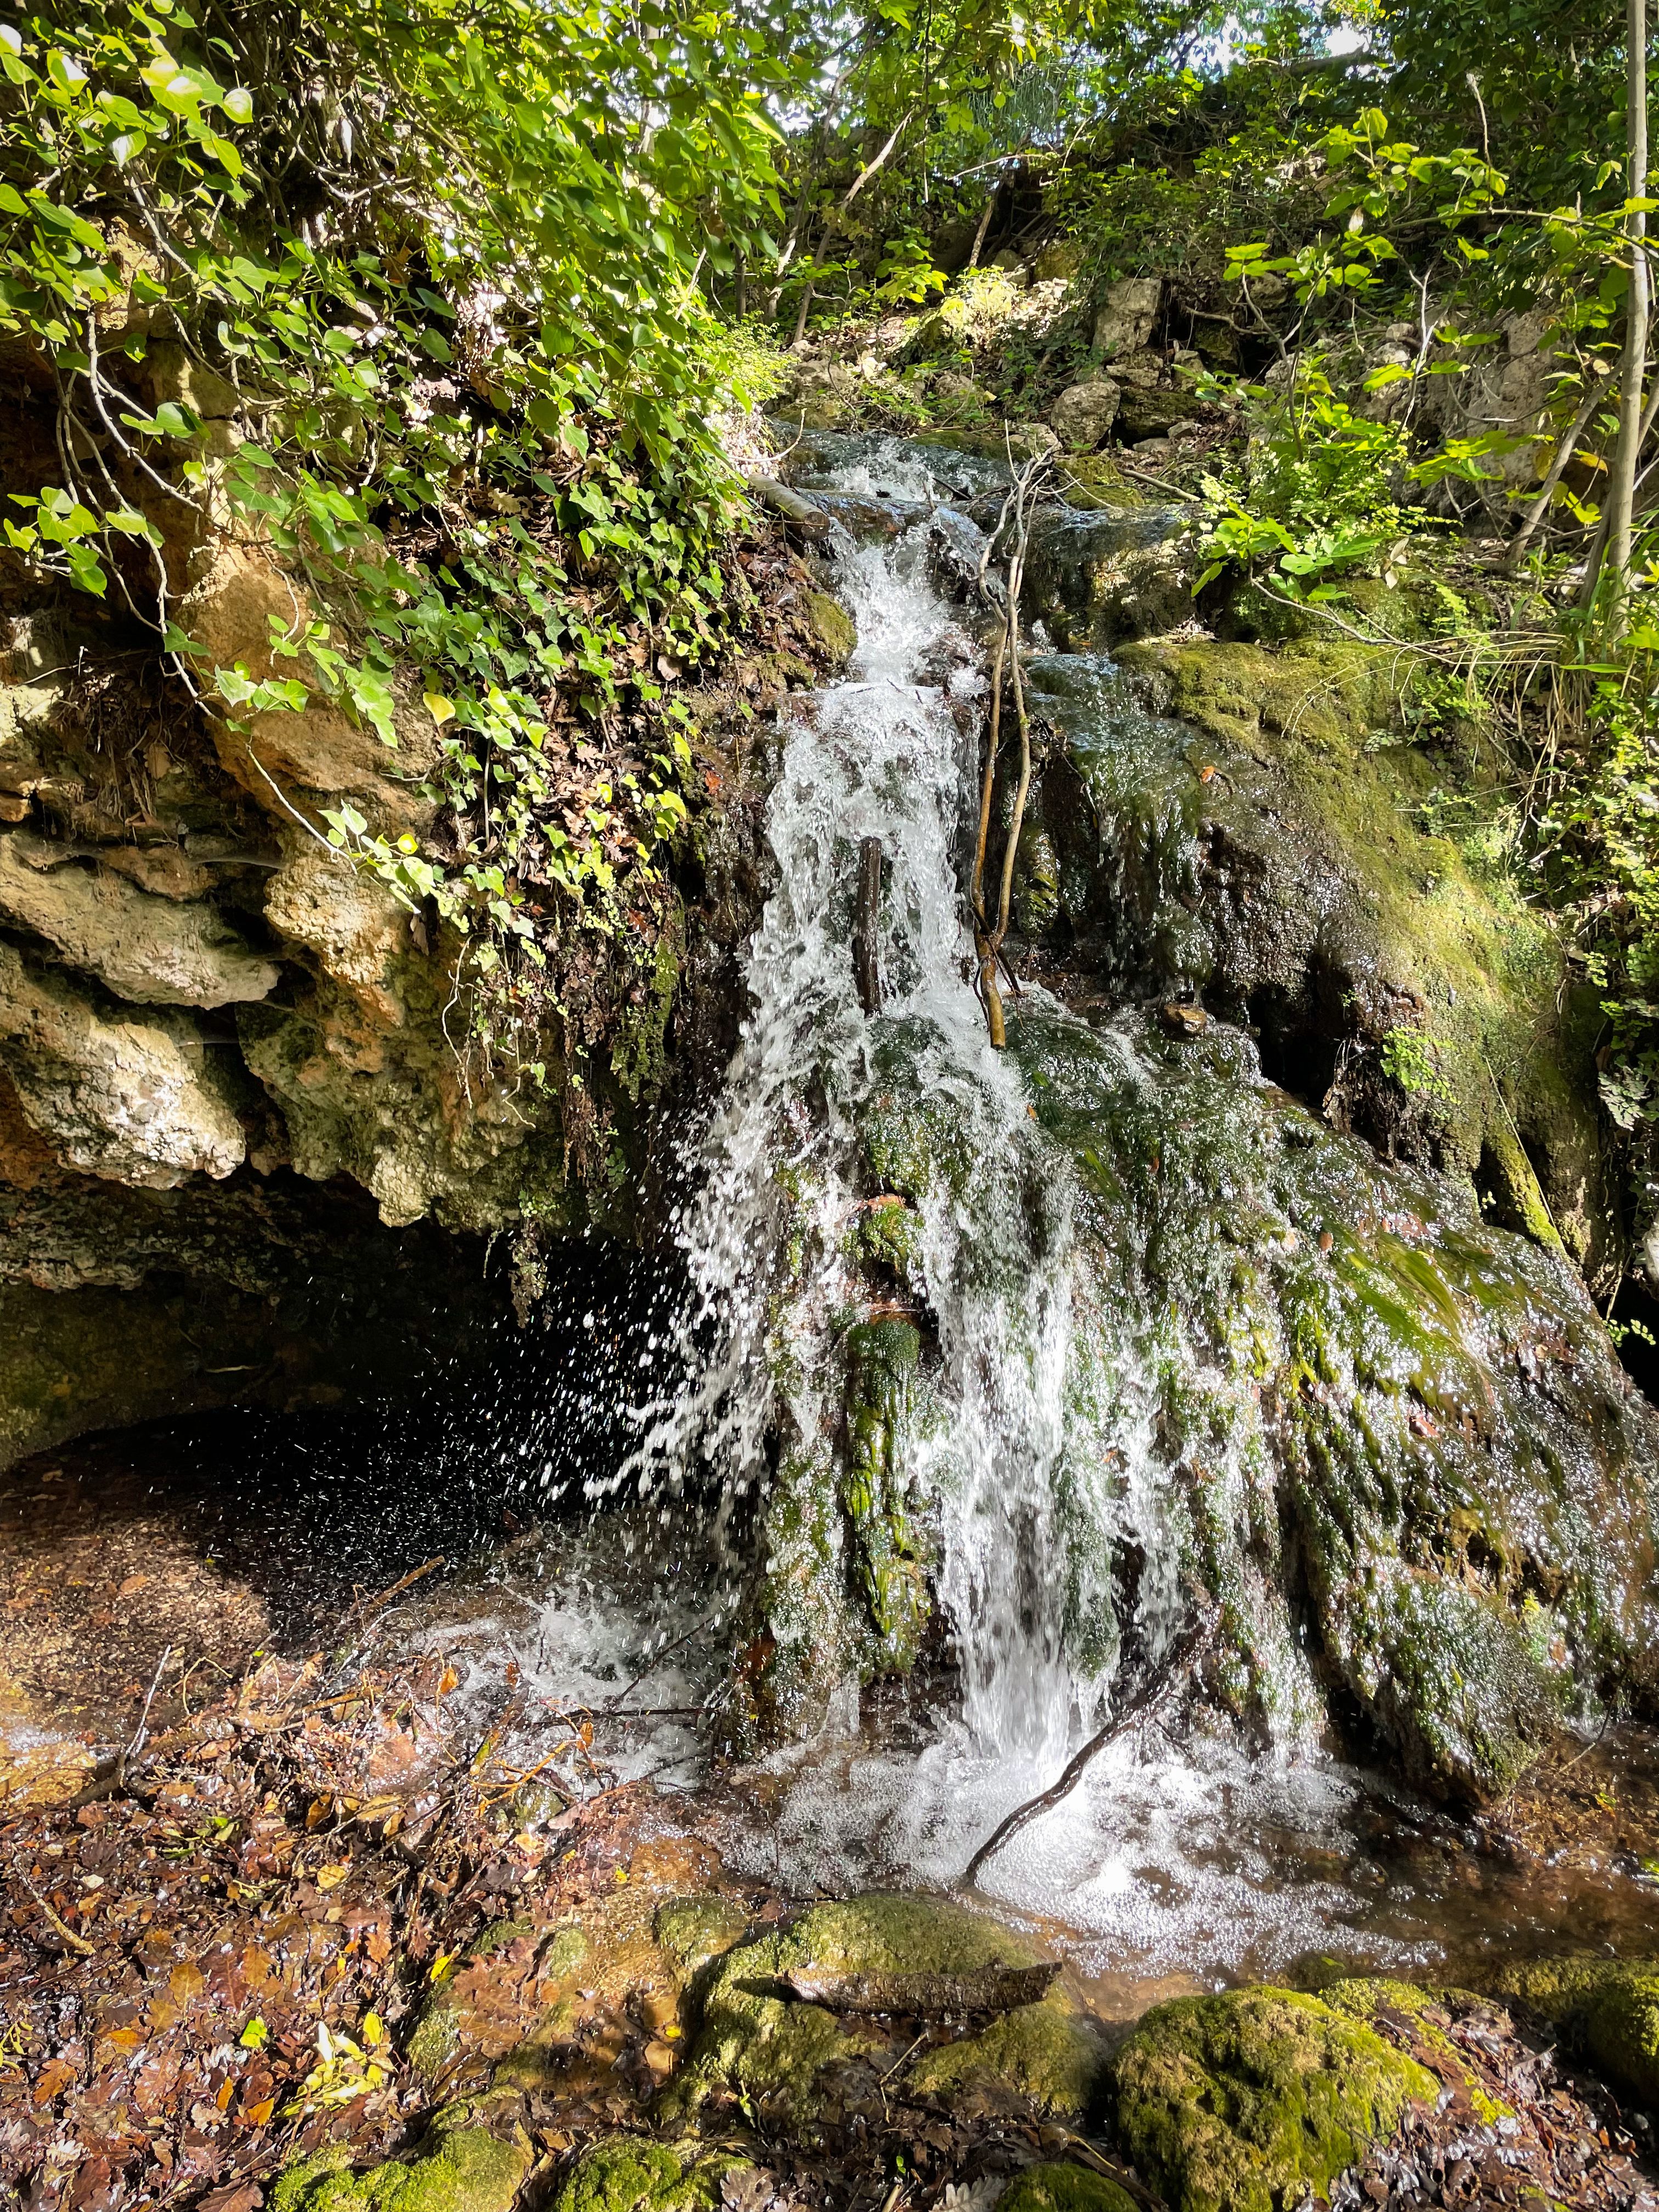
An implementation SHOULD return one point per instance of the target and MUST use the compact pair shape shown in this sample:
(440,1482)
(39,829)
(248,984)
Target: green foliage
(439,263)
(1313,494)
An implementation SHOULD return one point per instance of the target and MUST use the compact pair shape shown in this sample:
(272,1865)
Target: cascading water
(889,754)
(979,1353)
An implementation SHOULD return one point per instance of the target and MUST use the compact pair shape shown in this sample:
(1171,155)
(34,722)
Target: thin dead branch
(1190,1646)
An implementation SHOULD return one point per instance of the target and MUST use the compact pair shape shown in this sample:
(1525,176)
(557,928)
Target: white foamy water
(888,753)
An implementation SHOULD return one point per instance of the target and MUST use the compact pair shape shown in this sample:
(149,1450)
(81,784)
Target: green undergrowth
(457,401)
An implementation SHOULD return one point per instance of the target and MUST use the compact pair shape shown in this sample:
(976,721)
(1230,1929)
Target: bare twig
(76,1942)
(1151,1694)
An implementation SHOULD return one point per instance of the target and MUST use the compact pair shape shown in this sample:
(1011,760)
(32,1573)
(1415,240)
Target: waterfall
(890,752)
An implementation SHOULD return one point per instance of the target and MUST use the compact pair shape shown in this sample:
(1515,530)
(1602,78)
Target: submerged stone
(629,2173)
(1239,2102)
(1057,2186)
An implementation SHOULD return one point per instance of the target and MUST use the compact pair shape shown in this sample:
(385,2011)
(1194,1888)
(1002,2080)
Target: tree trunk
(980,235)
(1621,504)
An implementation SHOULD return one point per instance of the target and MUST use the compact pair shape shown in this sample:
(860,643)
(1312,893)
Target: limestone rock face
(235,603)
(132,1098)
(153,952)
(349,922)
(1128,315)
(1084,414)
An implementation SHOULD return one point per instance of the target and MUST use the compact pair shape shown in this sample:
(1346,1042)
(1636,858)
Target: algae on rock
(631,2173)
(1606,2008)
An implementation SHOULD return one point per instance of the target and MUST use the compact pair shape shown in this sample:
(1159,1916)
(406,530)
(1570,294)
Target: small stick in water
(925,1996)
(866,972)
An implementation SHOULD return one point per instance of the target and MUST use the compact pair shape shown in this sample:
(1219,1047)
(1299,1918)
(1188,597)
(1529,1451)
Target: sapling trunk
(1622,503)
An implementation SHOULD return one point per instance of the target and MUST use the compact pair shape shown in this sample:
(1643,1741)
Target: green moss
(833,627)
(772,2050)
(1366,1998)
(1227,2103)
(631,2174)
(882,1359)
(887,1234)
(694,1931)
(1061,2187)
(1048,2051)
(459,2167)
(1451,1677)
(1606,2008)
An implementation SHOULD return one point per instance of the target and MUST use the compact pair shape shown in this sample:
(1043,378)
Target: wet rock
(1233,2103)
(757,2043)
(1366,1397)
(1037,881)
(153,952)
(1084,414)
(630,2173)
(1606,2008)
(833,626)
(1094,578)
(1278,853)
(695,1930)
(1446,1674)
(889,1560)
(135,1098)
(461,2164)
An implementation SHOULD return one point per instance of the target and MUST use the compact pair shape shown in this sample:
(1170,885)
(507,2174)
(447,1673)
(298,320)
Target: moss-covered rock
(1227,2103)
(1606,2008)
(694,1930)
(1382,2002)
(887,1555)
(460,2166)
(1363,1395)
(832,626)
(1059,2186)
(758,2043)
(1048,2051)
(630,2173)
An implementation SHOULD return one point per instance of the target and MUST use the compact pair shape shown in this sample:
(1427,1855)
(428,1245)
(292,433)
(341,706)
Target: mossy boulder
(758,2043)
(460,2166)
(1228,2103)
(629,2173)
(1059,2186)
(1606,2008)
(833,628)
